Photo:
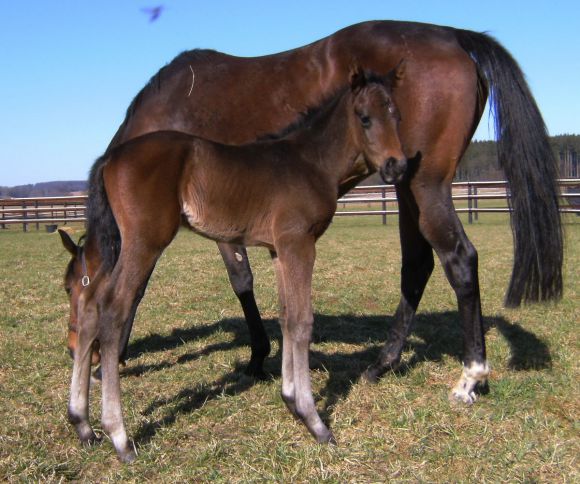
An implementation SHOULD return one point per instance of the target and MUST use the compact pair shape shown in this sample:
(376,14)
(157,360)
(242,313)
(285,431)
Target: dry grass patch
(196,417)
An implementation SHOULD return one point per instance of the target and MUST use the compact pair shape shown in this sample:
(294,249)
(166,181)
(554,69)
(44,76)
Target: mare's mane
(178,62)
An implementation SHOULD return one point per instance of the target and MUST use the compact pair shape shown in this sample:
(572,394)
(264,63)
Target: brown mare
(448,76)
(277,194)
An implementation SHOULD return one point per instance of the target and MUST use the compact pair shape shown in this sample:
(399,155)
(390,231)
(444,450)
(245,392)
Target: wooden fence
(363,198)
(376,200)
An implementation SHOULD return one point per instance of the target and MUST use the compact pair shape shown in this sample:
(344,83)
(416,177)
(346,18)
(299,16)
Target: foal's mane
(307,117)
(313,113)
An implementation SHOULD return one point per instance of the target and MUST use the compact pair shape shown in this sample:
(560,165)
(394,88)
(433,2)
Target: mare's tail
(101,223)
(525,155)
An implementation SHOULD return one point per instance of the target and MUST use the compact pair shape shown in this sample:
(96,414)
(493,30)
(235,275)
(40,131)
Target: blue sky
(69,69)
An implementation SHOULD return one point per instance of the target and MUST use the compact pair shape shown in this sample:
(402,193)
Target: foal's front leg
(78,407)
(294,273)
(130,274)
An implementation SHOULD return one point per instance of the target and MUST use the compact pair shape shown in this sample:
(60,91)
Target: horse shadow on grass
(434,336)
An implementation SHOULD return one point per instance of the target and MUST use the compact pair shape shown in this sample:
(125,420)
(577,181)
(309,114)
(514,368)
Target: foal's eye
(390,107)
(365,121)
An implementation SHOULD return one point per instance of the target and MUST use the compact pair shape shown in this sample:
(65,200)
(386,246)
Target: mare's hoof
(374,372)
(458,396)
(256,371)
(461,395)
(370,375)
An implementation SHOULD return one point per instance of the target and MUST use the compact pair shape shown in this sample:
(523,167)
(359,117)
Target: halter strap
(85,280)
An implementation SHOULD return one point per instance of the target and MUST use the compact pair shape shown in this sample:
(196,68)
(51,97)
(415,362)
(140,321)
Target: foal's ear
(396,75)
(68,242)
(358,79)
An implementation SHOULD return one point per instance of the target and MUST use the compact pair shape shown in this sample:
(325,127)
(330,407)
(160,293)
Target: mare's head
(75,280)
(375,120)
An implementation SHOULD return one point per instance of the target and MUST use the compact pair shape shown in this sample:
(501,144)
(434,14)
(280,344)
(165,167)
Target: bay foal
(277,194)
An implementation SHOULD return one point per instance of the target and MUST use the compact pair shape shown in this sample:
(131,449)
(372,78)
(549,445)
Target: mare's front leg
(240,275)
(417,266)
(294,265)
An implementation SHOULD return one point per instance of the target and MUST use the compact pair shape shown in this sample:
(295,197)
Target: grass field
(195,416)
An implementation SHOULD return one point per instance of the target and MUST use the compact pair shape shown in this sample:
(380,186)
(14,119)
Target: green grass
(196,417)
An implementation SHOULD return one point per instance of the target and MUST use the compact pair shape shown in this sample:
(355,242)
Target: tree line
(480,160)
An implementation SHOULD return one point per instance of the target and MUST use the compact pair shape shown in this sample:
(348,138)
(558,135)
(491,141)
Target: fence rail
(64,210)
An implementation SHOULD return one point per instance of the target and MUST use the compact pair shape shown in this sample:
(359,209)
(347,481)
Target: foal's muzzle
(393,170)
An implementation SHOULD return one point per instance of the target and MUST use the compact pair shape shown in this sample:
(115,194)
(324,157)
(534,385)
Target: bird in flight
(153,12)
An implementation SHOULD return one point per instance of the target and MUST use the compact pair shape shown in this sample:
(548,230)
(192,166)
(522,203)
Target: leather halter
(85,280)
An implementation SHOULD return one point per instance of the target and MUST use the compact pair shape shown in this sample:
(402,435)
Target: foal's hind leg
(294,274)
(415,272)
(242,281)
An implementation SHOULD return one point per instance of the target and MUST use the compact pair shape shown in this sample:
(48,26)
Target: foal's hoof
(327,438)
(290,405)
(90,439)
(128,456)
(97,375)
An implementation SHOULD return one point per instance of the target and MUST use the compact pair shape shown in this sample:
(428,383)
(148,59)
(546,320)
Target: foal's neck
(328,142)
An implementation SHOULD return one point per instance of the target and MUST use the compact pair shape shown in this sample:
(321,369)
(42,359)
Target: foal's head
(75,279)
(375,120)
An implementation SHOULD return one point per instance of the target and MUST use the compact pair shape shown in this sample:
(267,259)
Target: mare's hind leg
(242,281)
(415,272)
(441,227)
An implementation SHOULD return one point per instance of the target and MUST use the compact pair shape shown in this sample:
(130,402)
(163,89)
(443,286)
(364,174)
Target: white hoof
(464,390)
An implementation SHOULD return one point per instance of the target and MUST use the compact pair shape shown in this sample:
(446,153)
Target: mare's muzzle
(393,170)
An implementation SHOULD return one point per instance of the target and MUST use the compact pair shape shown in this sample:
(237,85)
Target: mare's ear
(358,79)
(396,75)
(68,242)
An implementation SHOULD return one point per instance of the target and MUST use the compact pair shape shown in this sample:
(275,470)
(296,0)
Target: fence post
(384,205)
(3,216)
(37,214)
(24,217)
(475,213)
(469,204)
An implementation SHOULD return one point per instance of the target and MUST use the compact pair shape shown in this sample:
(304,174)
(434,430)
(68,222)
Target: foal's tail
(101,223)
(525,154)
